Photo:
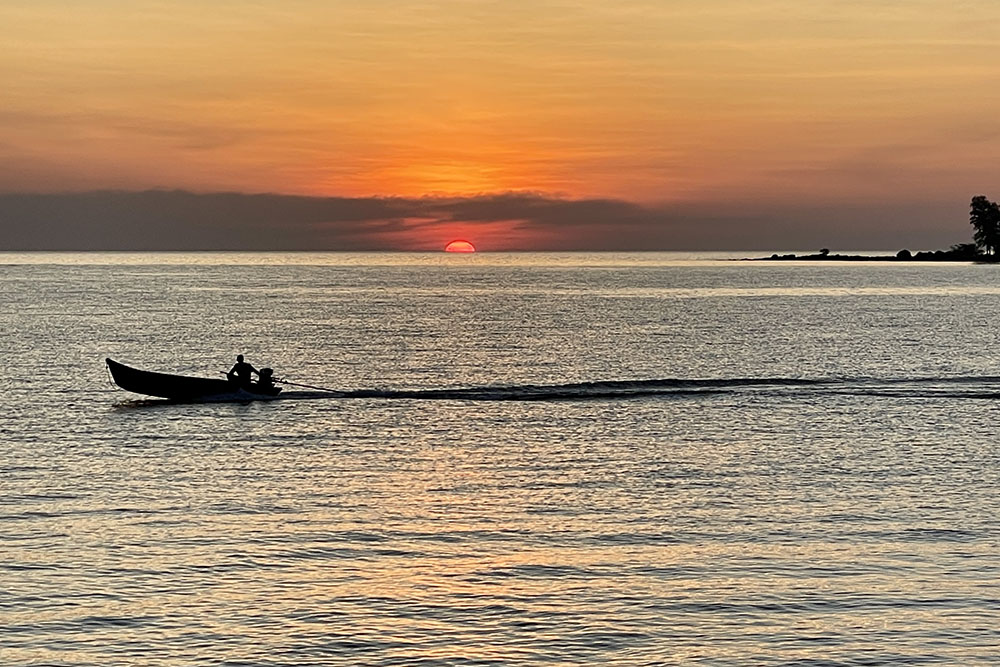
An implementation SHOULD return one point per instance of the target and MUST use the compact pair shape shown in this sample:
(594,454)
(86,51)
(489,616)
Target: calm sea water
(635,459)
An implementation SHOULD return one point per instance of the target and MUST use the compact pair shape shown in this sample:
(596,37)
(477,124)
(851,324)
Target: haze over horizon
(401,125)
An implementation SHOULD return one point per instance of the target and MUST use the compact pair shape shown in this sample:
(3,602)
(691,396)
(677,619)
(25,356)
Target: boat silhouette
(184,387)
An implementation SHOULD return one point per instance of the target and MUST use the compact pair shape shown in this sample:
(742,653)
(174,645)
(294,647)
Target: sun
(459,245)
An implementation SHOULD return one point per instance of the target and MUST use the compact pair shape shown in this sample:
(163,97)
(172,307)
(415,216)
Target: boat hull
(183,387)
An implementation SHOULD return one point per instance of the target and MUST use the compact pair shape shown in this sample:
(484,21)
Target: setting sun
(460,246)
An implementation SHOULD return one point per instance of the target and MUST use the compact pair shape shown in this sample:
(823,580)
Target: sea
(501,459)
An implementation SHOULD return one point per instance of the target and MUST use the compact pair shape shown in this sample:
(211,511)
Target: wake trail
(610,389)
(917,387)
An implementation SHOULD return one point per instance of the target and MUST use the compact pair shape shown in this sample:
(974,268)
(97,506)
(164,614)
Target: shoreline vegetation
(984,216)
(963,252)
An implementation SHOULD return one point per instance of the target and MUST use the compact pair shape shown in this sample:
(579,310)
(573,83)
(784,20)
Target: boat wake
(621,389)
(947,387)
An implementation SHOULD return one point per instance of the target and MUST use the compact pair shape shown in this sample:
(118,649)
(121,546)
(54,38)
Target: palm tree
(984,217)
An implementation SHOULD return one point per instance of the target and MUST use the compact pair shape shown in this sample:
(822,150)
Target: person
(240,372)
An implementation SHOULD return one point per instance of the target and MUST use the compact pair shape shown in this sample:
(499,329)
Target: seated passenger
(240,372)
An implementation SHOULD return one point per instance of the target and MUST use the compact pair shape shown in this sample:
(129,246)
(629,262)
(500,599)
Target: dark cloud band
(180,220)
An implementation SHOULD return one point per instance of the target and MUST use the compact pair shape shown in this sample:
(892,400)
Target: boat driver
(240,372)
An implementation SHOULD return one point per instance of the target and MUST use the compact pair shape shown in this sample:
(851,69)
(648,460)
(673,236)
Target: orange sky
(764,102)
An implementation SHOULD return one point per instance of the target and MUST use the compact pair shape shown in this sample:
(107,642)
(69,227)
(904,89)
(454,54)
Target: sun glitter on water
(460,246)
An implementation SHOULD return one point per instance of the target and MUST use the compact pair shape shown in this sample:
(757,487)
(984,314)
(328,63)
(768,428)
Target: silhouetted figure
(240,372)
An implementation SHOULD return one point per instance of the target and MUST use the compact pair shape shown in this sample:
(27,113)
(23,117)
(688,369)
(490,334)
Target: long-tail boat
(186,388)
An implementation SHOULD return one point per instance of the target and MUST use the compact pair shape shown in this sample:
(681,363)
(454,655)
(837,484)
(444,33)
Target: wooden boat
(185,388)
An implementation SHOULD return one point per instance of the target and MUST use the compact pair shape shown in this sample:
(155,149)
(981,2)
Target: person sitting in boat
(240,372)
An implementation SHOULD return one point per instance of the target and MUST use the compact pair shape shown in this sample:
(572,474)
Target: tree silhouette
(984,216)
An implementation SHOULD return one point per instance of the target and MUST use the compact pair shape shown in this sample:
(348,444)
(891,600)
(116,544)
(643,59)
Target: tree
(964,252)
(984,216)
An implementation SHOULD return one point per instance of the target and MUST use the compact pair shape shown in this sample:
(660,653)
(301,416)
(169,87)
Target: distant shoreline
(956,254)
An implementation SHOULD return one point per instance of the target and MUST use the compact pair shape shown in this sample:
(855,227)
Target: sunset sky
(661,124)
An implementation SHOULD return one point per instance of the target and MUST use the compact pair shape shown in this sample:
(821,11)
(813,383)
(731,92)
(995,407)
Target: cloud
(180,220)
